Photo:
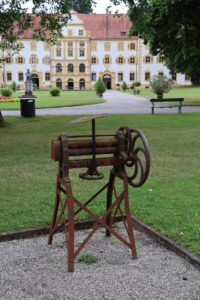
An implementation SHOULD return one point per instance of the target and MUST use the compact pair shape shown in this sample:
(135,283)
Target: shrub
(124,86)
(14,86)
(100,86)
(160,84)
(137,83)
(6,92)
(55,91)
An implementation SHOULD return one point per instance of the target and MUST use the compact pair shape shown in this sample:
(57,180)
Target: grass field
(191,95)
(66,98)
(170,199)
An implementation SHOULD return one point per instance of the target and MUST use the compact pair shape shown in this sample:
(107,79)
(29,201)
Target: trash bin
(27,107)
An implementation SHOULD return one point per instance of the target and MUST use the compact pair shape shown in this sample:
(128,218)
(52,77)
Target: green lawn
(66,98)
(191,95)
(170,199)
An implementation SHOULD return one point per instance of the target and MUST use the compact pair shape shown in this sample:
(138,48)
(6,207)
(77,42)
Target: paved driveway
(115,103)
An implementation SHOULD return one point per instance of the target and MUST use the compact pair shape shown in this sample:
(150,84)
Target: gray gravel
(115,103)
(30,269)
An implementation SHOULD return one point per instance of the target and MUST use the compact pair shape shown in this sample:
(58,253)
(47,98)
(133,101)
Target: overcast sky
(101,7)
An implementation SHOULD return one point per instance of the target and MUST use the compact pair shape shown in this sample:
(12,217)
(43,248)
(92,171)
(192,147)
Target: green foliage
(14,11)
(160,84)
(83,6)
(13,86)
(54,91)
(137,83)
(172,30)
(100,86)
(88,259)
(124,86)
(6,92)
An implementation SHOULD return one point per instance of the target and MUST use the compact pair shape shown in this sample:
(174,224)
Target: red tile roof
(96,24)
(101,26)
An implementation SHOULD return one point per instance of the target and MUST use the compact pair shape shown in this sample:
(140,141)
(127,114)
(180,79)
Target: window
(187,77)
(107,46)
(46,60)
(20,60)
(58,52)
(120,60)
(21,76)
(82,68)
(8,60)
(82,52)
(148,59)
(33,46)
(120,76)
(132,46)
(120,46)
(46,46)
(123,33)
(70,52)
(9,76)
(94,60)
(33,60)
(80,32)
(160,73)
(58,68)
(47,76)
(20,32)
(160,59)
(94,77)
(107,60)
(58,44)
(132,60)
(70,68)
(82,44)
(132,76)
(70,44)
(174,76)
(147,76)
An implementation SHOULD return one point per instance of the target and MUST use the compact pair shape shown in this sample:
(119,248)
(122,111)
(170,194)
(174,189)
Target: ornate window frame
(107,60)
(120,46)
(120,60)
(145,73)
(130,75)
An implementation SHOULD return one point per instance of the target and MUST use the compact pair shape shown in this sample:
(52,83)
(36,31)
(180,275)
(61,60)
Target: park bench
(163,103)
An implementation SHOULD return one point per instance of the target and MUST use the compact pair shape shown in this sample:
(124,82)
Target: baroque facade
(93,45)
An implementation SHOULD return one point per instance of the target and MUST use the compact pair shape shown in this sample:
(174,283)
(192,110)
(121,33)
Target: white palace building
(93,45)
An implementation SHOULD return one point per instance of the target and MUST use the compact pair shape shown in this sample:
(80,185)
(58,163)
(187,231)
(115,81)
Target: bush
(6,92)
(137,83)
(100,86)
(14,86)
(55,91)
(124,86)
(160,84)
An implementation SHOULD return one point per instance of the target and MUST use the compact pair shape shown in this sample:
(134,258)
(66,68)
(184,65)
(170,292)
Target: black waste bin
(27,107)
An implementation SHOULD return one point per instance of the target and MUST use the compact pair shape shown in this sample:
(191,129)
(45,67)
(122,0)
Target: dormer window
(123,33)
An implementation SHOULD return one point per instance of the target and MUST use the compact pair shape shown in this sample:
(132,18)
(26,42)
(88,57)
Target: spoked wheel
(137,164)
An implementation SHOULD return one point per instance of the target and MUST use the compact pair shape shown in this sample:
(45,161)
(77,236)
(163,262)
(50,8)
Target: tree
(171,28)
(14,20)
(83,6)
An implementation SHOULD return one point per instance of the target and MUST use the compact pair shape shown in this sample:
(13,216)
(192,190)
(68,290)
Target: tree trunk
(2,122)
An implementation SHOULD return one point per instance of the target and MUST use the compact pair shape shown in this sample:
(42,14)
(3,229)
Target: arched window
(59,83)
(70,84)
(70,68)
(58,68)
(82,84)
(82,68)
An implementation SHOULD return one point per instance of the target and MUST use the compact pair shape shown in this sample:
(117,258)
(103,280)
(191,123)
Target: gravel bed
(30,269)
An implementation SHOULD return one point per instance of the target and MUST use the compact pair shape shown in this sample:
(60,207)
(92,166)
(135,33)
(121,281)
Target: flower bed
(8,99)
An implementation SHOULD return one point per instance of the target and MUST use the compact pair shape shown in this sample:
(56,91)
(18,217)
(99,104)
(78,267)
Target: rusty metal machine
(126,151)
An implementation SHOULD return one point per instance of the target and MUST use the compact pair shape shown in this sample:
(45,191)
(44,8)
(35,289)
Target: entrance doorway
(108,81)
(70,84)
(82,84)
(59,83)
(35,81)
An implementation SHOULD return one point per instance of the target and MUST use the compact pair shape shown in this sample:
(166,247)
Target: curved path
(115,103)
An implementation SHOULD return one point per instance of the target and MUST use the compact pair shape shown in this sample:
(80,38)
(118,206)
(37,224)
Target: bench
(166,100)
